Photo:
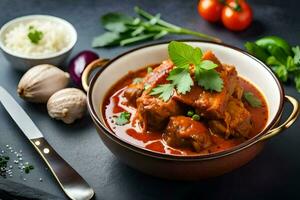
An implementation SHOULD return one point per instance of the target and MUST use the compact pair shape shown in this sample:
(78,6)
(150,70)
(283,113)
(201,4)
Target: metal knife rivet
(46,150)
(37,143)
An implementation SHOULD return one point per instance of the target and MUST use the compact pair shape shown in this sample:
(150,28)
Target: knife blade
(74,186)
(19,115)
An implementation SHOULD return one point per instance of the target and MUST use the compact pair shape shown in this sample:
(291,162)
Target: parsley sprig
(183,56)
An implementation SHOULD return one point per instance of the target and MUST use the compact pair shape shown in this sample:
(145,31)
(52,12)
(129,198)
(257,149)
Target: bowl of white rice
(37,39)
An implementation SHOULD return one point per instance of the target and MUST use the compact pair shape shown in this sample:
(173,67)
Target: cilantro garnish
(34,35)
(181,79)
(252,99)
(123,118)
(164,91)
(183,56)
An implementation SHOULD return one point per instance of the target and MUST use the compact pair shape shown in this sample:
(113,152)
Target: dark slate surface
(273,174)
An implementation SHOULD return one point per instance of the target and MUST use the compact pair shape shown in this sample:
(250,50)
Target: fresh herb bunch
(283,59)
(124,30)
(183,56)
(34,35)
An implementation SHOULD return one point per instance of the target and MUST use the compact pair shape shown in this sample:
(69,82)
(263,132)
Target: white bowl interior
(71,32)
(247,67)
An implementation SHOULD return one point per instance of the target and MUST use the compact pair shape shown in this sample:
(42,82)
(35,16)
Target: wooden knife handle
(70,181)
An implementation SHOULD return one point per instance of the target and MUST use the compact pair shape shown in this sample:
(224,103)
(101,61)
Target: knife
(74,186)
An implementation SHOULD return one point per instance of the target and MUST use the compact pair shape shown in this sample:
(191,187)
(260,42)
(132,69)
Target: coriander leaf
(296,51)
(290,64)
(257,51)
(182,54)
(123,118)
(34,35)
(106,39)
(115,22)
(137,80)
(209,79)
(182,79)
(164,91)
(281,72)
(278,53)
(297,81)
(252,99)
(207,65)
(272,61)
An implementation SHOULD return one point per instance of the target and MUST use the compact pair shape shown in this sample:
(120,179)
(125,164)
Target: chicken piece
(209,104)
(154,113)
(132,92)
(185,132)
(157,76)
(236,122)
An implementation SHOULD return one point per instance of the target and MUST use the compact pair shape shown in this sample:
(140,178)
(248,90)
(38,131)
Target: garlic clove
(40,82)
(67,105)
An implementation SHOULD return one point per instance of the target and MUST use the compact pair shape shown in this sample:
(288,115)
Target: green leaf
(137,80)
(296,51)
(281,72)
(257,51)
(123,118)
(272,61)
(252,99)
(164,91)
(182,79)
(115,22)
(297,81)
(182,54)
(207,65)
(290,64)
(209,80)
(106,39)
(34,35)
(278,53)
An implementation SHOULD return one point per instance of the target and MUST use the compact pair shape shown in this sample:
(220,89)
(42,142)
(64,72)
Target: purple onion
(79,63)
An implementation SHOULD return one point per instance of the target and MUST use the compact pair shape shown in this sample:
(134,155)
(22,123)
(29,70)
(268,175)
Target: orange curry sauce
(115,103)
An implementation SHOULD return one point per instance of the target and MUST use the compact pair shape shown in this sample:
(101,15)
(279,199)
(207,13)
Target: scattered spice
(10,155)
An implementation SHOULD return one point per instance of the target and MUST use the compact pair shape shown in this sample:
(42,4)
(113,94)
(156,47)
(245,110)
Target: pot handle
(290,120)
(88,70)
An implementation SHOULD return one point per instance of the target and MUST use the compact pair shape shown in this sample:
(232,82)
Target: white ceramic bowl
(24,62)
(181,166)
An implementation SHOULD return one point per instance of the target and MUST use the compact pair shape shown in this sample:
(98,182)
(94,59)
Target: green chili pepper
(265,42)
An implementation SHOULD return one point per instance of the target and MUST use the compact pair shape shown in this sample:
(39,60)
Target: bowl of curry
(186,110)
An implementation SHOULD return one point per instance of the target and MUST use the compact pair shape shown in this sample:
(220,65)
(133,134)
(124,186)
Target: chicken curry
(141,109)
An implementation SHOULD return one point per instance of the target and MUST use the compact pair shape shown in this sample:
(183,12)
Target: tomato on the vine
(210,10)
(237,15)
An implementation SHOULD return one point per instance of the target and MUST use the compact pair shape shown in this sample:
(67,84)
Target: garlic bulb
(67,105)
(41,81)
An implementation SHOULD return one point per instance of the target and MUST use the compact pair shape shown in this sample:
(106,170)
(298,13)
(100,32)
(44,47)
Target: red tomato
(237,20)
(210,10)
